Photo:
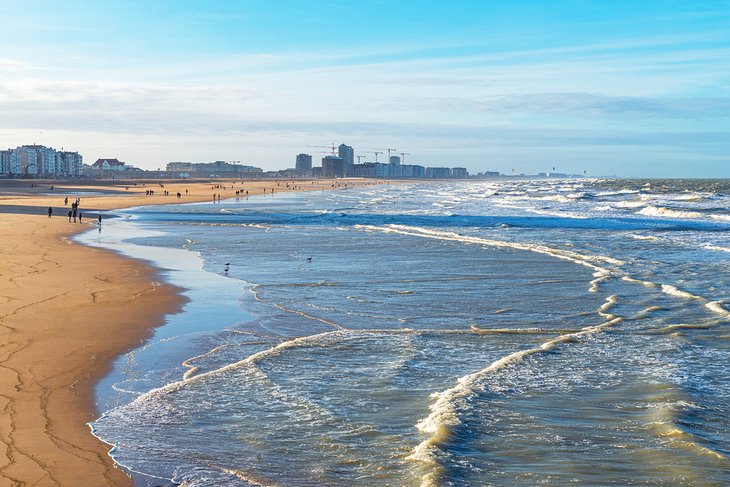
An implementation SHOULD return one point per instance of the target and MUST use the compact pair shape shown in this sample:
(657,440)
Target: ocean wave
(444,416)
(668,213)
(617,193)
(674,291)
(589,261)
(717,247)
(628,204)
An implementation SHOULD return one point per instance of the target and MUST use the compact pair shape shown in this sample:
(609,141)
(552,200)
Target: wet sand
(67,311)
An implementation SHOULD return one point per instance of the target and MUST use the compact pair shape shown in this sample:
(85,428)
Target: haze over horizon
(633,89)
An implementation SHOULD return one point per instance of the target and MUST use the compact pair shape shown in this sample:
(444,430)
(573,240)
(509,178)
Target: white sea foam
(629,204)
(643,237)
(674,291)
(717,247)
(716,307)
(668,213)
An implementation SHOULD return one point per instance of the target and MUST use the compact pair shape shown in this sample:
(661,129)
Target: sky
(635,88)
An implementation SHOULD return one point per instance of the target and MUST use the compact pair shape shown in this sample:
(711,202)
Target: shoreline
(65,317)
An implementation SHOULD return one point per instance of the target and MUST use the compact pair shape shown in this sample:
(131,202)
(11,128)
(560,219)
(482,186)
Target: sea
(476,333)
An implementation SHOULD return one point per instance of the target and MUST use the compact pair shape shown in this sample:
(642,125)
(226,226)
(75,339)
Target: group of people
(73,213)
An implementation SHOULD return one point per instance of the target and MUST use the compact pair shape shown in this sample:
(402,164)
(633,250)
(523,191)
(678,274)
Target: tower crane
(376,152)
(403,156)
(358,158)
(389,151)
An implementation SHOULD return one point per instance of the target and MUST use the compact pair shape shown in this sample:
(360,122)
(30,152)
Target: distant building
(412,171)
(69,163)
(394,160)
(438,172)
(217,169)
(333,167)
(108,166)
(5,161)
(347,154)
(41,161)
(304,164)
(459,173)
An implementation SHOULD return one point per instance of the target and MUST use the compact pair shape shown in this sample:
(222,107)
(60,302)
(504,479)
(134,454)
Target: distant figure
(309,259)
(69,216)
(99,220)
(74,214)
(50,210)
(227,266)
(65,201)
(79,217)
(186,191)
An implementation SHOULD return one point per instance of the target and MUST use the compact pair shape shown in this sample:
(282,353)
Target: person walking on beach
(69,216)
(99,220)
(79,217)
(50,210)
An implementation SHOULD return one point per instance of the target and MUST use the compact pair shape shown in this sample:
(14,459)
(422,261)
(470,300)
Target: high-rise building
(394,160)
(347,154)
(333,167)
(69,163)
(304,164)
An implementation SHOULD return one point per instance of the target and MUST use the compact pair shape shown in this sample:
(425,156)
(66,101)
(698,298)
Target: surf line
(444,410)
(600,273)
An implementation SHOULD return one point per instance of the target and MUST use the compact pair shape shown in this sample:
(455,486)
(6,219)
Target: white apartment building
(41,161)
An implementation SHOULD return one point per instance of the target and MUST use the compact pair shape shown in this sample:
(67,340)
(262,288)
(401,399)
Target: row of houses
(217,169)
(46,162)
(40,161)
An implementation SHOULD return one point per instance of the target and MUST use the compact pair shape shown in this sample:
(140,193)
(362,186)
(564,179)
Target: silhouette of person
(50,210)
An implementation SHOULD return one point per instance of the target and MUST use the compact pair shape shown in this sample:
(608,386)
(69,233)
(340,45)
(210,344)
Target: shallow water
(494,333)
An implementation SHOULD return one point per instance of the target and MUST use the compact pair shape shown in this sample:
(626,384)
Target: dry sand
(66,312)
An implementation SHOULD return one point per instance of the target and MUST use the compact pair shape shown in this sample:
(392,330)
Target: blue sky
(627,88)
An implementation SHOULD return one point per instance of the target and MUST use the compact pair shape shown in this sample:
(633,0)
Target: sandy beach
(66,312)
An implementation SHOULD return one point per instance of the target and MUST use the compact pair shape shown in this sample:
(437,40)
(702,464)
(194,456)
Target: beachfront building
(395,160)
(217,169)
(107,167)
(459,173)
(438,172)
(69,163)
(40,161)
(333,167)
(303,164)
(347,154)
(5,161)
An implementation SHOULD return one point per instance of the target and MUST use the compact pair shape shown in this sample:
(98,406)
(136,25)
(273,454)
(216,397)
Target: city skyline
(626,89)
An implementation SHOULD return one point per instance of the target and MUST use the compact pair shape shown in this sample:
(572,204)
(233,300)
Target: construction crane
(376,152)
(332,147)
(389,151)
(403,156)
(358,158)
